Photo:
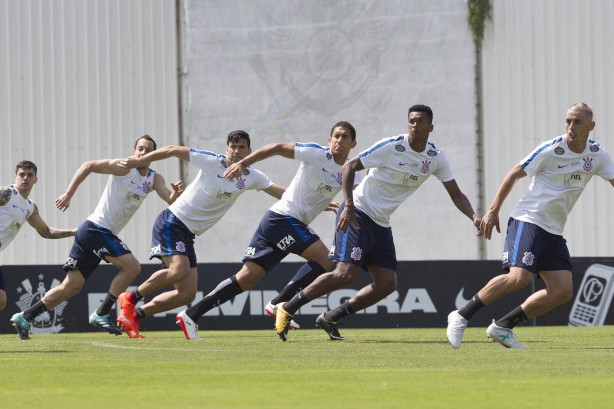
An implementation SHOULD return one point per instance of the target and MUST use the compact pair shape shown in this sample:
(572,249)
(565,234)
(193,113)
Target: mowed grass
(565,367)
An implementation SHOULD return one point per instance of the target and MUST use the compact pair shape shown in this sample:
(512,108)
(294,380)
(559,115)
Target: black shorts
(170,236)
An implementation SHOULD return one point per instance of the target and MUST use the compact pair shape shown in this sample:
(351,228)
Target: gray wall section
(287,71)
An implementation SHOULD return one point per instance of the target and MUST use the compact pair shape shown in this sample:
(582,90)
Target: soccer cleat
(330,327)
(21,325)
(104,323)
(271,311)
(189,327)
(456,328)
(504,336)
(282,321)
(127,318)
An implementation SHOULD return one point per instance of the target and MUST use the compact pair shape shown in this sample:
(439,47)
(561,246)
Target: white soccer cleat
(271,311)
(456,328)
(504,336)
(189,327)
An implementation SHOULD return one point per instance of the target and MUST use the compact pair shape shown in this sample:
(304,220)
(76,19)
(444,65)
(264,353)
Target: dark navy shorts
(276,237)
(170,236)
(530,247)
(2,282)
(371,244)
(93,244)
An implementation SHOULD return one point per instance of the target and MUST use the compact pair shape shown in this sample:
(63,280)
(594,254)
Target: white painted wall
(540,57)
(81,80)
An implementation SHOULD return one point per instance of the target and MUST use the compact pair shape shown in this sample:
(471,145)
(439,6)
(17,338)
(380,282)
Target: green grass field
(400,368)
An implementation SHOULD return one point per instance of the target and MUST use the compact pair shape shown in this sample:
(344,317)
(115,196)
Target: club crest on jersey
(240,183)
(400,148)
(528,258)
(559,151)
(588,164)
(425,166)
(180,246)
(146,187)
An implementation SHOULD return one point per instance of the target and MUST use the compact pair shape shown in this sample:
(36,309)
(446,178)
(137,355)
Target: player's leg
(183,293)
(2,290)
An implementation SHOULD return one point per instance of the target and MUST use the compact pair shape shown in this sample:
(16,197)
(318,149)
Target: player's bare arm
(36,221)
(166,194)
(181,152)
(491,218)
(5,195)
(348,174)
(461,202)
(285,149)
(275,190)
(102,166)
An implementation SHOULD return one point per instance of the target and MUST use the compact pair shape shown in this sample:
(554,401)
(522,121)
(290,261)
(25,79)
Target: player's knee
(563,295)
(519,280)
(178,273)
(187,296)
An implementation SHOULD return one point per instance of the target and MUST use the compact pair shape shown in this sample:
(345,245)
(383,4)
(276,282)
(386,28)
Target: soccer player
(284,228)
(534,246)
(96,238)
(203,204)
(398,166)
(16,209)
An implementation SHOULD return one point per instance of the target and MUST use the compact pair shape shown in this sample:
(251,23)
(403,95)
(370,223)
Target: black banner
(427,291)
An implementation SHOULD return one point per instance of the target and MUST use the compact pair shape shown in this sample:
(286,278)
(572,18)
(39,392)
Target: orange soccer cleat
(127,320)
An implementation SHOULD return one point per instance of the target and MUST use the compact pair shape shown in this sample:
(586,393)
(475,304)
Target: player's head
(238,146)
(26,165)
(341,140)
(421,108)
(579,122)
(143,146)
(25,175)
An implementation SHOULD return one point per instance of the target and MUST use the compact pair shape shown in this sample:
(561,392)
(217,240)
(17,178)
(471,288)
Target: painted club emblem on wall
(49,322)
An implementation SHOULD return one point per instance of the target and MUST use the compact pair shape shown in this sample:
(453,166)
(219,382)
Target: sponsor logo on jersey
(425,166)
(246,172)
(329,156)
(505,257)
(588,164)
(339,178)
(155,250)
(594,148)
(399,148)
(528,258)
(71,264)
(100,253)
(250,252)
(286,242)
(431,153)
(559,151)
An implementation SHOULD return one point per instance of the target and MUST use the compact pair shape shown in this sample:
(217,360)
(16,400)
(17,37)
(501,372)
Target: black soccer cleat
(330,327)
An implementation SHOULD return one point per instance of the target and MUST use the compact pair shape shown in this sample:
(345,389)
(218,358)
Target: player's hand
(332,207)
(347,217)
(178,186)
(130,162)
(234,171)
(489,221)
(477,223)
(63,202)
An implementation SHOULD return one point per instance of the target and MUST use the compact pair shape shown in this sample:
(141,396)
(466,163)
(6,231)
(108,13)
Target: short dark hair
(26,164)
(347,125)
(581,106)
(421,108)
(148,138)
(236,136)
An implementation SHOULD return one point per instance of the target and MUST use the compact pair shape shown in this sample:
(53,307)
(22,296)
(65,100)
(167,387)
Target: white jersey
(121,198)
(397,171)
(13,215)
(210,195)
(316,183)
(559,176)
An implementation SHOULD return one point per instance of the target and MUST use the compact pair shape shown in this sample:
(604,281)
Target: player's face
(143,147)
(25,179)
(340,141)
(578,125)
(419,125)
(235,151)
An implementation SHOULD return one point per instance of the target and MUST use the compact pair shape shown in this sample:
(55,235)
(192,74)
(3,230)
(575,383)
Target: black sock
(341,311)
(303,277)
(473,306)
(106,305)
(139,312)
(34,311)
(515,317)
(292,306)
(136,295)
(222,293)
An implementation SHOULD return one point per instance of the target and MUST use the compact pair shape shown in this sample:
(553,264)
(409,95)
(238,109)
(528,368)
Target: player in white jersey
(96,238)
(202,205)
(284,228)
(534,246)
(16,209)
(398,166)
